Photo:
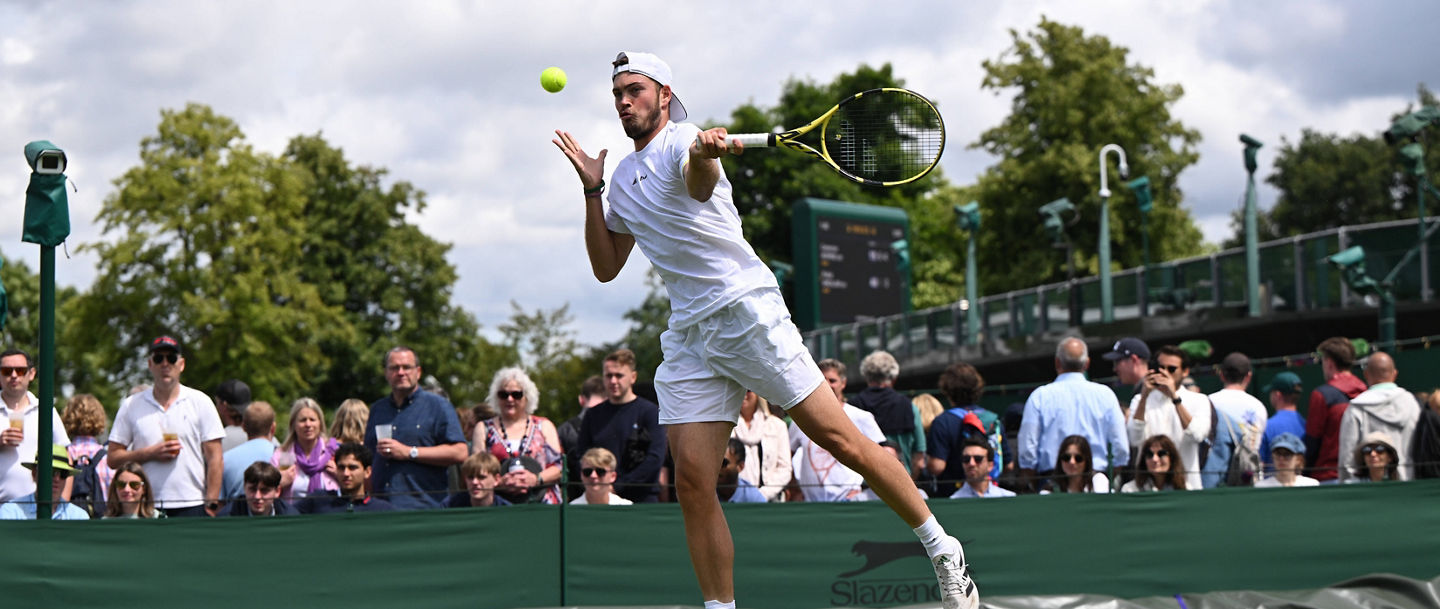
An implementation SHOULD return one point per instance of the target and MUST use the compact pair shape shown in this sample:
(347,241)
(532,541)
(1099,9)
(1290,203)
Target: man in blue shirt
(422,438)
(259,425)
(1284,390)
(731,487)
(979,458)
(1070,406)
(24,508)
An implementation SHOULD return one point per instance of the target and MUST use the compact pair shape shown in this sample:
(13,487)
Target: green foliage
(1073,95)
(1328,180)
(390,281)
(294,274)
(22,325)
(551,356)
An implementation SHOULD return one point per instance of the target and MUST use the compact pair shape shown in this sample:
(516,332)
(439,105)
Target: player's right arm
(607,249)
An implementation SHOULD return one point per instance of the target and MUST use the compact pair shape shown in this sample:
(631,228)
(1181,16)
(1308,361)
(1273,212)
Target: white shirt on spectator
(178,483)
(820,476)
(15,480)
(1162,420)
(1244,408)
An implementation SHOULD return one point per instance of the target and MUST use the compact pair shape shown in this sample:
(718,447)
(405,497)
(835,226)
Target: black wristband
(596,190)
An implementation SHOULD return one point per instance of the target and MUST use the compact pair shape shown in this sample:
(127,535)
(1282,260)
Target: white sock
(719,605)
(933,536)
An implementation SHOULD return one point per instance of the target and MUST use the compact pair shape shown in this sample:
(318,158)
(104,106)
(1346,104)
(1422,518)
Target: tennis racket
(880,137)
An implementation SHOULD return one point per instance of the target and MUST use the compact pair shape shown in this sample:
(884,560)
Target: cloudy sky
(446,95)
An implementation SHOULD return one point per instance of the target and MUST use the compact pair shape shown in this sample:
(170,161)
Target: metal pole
(1252,247)
(1144,282)
(1387,319)
(1107,295)
(1424,243)
(43,457)
(972,294)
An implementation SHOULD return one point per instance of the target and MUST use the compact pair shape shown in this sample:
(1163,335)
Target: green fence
(792,556)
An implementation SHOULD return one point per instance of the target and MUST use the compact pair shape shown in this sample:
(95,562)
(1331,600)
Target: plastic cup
(17,423)
(169,434)
(384,432)
(285,460)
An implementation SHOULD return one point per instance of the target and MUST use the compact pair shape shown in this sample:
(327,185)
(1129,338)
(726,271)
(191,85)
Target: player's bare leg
(823,420)
(698,449)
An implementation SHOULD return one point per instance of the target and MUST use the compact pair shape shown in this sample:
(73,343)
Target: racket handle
(752,140)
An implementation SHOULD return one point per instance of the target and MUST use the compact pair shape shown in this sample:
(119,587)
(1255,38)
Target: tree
(548,351)
(1073,95)
(294,273)
(391,281)
(22,320)
(1327,180)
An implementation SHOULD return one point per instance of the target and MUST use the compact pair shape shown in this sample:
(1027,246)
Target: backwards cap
(655,68)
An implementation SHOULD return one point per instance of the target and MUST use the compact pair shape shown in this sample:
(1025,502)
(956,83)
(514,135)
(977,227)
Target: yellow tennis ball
(553,79)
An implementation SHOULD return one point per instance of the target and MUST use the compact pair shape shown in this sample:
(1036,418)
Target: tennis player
(729,328)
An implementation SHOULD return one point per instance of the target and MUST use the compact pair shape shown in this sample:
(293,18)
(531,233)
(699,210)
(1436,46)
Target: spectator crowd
(175,451)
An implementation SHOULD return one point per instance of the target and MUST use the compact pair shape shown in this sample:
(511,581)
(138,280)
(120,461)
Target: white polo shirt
(178,483)
(15,480)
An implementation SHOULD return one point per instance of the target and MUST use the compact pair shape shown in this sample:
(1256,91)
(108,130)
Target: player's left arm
(702,169)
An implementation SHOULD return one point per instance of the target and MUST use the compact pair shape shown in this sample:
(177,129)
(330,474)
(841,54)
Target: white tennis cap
(654,67)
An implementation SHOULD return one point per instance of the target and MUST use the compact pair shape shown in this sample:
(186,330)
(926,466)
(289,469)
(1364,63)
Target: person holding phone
(1165,408)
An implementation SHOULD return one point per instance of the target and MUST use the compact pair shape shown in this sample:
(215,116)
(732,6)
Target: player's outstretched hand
(590,169)
(712,144)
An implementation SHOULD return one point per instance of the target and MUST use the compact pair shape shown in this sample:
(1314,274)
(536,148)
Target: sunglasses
(161,358)
(594,471)
(973,458)
(1374,448)
(1170,369)
(14,371)
(514,395)
(1157,454)
(1072,458)
(134,485)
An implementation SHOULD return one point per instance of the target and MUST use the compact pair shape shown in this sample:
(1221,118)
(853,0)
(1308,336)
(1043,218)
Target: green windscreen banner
(794,556)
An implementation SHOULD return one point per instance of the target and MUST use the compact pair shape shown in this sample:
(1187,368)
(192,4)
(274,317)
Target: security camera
(1141,187)
(1250,141)
(967,216)
(1411,124)
(45,158)
(1348,258)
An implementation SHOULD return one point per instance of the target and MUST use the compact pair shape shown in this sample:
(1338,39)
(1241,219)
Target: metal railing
(1294,276)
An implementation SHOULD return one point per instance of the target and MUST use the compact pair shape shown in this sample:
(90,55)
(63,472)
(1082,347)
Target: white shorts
(748,344)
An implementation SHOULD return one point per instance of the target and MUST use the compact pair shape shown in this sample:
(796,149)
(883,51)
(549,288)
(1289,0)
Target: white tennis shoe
(957,590)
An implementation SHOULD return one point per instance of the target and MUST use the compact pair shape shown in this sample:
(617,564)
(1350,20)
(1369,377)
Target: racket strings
(885,136)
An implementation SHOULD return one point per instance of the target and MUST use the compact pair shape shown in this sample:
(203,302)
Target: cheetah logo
(878,553)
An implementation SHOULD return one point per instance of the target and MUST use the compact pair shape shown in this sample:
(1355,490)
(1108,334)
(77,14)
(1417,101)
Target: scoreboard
(845,268)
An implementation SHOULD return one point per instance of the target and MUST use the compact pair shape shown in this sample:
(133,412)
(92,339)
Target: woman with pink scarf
(306,459)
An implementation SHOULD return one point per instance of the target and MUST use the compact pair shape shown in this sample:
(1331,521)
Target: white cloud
(445,95)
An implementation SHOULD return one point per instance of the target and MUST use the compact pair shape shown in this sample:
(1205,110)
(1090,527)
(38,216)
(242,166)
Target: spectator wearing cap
(1070,406)
(262,493)
(259,425)
(1165,408)
(1328,403)
(231,398)
(1283,391)
(1131,358)
(1289,453)
(17,371)
(1384,407)
(174,432)
(1235,401)
(481,473)
(597,473)
(425,437)
(25,508)
(978,457)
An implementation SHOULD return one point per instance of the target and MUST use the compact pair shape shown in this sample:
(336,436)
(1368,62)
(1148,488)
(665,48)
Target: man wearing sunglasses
(19,440)
(1384,406)
(978,457)
(25,508)
(1164,407)
(175,433)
